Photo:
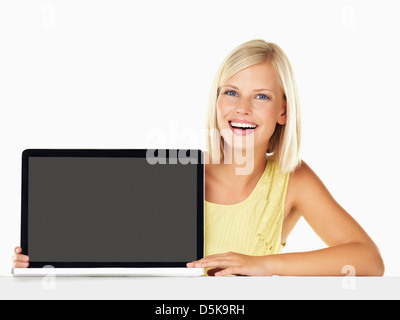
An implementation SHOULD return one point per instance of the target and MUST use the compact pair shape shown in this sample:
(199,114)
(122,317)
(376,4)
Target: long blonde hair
(284,144)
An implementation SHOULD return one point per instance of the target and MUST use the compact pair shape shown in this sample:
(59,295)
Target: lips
(240,131)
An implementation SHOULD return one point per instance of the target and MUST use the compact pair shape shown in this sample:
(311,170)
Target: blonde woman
(257,187)
(249,214)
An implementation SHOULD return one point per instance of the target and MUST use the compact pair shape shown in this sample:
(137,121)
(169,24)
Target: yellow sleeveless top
(252,226)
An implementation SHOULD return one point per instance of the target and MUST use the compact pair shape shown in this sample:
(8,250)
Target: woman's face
(251,97)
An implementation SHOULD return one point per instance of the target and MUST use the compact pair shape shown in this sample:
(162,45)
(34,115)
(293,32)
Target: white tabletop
(200,288)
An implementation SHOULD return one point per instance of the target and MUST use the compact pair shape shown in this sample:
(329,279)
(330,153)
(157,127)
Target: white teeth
(243,125)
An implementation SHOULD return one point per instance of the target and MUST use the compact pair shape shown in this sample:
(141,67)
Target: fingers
(229,263)
(228,271)
(222,260)
(219,267)
(19,264)
(213,271)
(20,260)
(218,262)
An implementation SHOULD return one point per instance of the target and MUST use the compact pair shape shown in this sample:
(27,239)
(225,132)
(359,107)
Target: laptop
(112,212)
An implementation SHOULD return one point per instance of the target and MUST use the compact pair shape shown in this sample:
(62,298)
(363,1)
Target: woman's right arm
(20,260)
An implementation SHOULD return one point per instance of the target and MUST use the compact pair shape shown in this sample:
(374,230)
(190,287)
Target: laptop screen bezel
(126,153)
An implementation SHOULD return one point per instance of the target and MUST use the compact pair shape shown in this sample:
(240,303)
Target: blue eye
(229,93)
(263,96)
(233,93)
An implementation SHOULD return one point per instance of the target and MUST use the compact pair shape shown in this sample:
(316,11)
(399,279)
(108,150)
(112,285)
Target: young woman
(254,201)
(250,216)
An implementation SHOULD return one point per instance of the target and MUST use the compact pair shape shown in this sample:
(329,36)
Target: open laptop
(112,212)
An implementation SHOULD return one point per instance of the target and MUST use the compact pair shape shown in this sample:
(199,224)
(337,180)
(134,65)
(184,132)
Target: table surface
(199,288)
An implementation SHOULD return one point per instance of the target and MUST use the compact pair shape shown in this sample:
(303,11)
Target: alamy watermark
(348,21)
(49,280)
(349,280)
(236,148)
(48,21)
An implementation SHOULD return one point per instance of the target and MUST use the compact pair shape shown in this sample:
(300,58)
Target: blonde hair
(284,143)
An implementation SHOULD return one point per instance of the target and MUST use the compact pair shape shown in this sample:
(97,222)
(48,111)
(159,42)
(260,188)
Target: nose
(243,107)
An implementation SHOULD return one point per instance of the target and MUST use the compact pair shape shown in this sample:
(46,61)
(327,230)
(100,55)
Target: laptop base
(108,272)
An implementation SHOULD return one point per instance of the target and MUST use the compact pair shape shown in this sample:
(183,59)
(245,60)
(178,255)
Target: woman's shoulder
(302,173)
(301,181)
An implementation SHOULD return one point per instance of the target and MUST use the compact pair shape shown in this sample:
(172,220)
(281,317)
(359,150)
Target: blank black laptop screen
(112,210)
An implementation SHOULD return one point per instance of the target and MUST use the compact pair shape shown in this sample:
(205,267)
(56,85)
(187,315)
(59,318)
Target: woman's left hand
(232,263)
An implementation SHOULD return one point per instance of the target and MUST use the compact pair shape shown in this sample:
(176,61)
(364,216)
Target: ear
(283,115)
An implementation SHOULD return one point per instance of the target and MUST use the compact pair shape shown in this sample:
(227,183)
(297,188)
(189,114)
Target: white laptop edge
(108,272)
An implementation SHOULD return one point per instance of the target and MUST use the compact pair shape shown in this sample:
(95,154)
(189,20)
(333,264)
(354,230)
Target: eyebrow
(229,85)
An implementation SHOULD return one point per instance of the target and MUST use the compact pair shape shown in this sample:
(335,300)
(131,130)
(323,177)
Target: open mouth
(242,128)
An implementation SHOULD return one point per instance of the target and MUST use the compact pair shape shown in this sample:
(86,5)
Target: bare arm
(348,244)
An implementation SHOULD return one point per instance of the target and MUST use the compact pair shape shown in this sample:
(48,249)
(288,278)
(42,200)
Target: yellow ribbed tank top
(252,226)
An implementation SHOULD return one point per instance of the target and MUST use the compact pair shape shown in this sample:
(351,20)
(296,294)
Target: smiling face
(253,96)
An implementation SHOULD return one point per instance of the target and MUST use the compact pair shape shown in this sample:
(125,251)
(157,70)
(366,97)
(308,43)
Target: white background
(136,74)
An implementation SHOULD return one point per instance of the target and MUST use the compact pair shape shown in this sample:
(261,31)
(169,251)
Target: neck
(240,168)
